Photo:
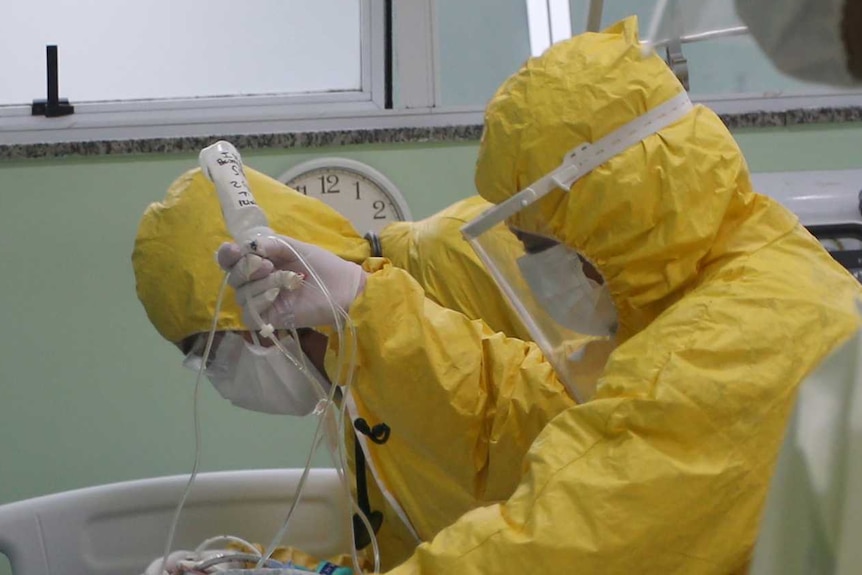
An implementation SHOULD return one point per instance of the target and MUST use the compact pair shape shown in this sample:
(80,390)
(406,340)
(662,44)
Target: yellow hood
(681,192)
(174,256)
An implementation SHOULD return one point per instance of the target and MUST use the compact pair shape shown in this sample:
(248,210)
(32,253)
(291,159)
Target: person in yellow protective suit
(178,283)
(723,304)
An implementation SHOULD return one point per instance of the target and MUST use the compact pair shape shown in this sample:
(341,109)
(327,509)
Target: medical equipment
(260,378)
(677,22)
(559,283)
(222,165)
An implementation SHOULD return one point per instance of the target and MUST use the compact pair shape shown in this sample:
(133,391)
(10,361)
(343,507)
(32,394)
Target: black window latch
(54,106)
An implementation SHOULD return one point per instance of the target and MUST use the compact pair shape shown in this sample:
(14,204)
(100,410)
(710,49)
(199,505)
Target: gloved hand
(258,287)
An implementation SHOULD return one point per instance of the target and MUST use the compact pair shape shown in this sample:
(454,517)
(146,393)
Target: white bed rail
(118,529)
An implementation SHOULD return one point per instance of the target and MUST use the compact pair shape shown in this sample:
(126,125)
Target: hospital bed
(118,529)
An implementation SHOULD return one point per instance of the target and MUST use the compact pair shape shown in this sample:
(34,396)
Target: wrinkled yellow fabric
(725,304)
(488,426)
(435,253)
(174,255)
(178,237)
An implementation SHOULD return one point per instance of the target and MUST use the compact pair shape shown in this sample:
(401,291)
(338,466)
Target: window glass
(480,44)
(123,50)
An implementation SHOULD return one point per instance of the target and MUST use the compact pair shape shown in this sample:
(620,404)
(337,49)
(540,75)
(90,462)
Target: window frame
(179,117)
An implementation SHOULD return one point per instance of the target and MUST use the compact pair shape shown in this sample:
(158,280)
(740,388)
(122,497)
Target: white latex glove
(258,287)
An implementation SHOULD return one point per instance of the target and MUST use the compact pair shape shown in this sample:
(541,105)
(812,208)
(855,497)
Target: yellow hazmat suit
(725,303)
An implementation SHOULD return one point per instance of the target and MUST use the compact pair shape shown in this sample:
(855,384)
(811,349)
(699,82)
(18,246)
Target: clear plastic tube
(338,448)
(704,36)
(196,418)
(227,539)
(270,549)
(202,566)
(689,22)
(342,455)
(265,558)
(339,454)
(296,497)
(341,318)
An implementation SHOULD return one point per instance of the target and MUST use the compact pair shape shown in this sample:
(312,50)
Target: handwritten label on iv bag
(222,164)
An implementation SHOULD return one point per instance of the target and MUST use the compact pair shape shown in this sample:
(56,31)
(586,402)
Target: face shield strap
(582,160)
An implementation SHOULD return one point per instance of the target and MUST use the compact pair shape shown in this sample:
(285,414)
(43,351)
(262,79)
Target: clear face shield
(556,301)
(559,296)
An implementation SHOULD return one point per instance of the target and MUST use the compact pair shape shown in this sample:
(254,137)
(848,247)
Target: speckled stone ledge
(792,117)
(371,136)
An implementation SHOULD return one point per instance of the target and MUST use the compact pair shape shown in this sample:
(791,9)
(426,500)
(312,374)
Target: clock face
(358,192)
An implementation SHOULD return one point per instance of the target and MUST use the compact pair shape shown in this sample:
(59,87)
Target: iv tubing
(338,315)
(230,539)
(339,417)
(341,463)
(248,557)
(341,314)
(197,424)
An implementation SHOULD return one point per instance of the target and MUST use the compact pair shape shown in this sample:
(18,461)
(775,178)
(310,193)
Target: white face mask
(803,38)
(557,280)
(262,378)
